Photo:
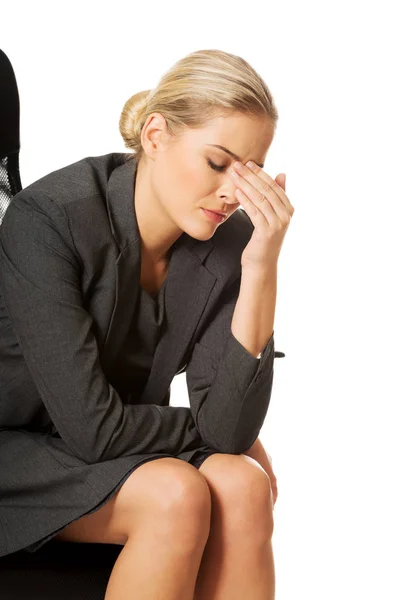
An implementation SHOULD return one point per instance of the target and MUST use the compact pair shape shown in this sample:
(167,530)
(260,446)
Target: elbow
(226,445)
(91,454)
(241,446)
(94,458)
(91,459)
(96,455)
(87,456)
(91,445)
(234,447)
(245,436)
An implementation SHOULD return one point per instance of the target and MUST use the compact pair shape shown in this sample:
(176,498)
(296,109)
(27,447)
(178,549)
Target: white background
(332,426)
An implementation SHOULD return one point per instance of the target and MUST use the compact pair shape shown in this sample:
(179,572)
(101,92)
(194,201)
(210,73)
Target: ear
(154,133)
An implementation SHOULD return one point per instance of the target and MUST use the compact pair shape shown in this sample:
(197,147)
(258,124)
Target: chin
(200,237)
(202,233)
(199,228)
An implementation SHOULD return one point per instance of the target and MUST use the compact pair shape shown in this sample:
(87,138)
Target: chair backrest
(10,182)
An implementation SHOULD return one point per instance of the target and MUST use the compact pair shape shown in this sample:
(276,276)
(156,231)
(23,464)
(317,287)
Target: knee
(184,507)
(176,496)
(186,495)
(241,494)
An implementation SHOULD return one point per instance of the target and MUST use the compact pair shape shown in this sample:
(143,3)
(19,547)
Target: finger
(258,199)
(266,186)
(274,185)
(251,210)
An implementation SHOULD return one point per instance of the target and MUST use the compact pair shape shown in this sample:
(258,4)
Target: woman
(115,275)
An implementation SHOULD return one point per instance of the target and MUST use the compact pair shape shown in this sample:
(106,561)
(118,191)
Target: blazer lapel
(188,288)
(121,214)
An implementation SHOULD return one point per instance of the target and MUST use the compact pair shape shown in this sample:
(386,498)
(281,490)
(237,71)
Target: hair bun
(131,122)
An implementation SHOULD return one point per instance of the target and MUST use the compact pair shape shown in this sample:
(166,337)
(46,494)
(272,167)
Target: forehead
(247,136)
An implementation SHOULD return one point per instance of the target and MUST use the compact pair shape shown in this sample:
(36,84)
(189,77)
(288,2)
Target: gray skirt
(44,488)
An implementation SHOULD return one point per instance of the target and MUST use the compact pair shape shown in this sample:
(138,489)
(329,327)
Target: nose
(230,197)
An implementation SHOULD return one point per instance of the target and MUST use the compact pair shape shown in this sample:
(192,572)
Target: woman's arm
(253,317)
(229,388)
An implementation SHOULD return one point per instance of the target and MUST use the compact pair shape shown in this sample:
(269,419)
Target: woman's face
(187,173)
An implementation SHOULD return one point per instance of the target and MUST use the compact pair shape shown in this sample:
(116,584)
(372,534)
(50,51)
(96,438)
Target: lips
(213,216)
(217,212)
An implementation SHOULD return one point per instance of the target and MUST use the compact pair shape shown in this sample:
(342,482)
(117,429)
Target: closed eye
(216,167)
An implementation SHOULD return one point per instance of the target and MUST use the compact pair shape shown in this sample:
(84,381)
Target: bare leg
(235,572)
(236,563)
(150,568)
(161,516)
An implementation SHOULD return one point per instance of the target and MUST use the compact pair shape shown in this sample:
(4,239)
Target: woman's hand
(269,209)
(258,453)
(267,466)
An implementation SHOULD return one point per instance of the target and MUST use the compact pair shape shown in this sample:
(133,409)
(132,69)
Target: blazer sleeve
(40,273)
(229,389)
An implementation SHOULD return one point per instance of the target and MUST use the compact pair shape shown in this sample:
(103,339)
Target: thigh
(152,486)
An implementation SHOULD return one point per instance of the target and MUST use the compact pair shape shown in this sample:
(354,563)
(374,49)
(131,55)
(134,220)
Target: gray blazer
(70,258)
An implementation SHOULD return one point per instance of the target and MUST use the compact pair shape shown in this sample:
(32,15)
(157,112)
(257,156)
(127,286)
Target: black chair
(10,182)
(58,570)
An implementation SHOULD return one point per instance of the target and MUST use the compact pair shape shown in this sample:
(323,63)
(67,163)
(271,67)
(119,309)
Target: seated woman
(116,273)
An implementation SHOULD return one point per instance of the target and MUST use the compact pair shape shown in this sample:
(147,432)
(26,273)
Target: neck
(157,232)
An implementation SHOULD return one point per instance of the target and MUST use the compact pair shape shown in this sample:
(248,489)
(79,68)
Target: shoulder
(68,203)
(77,181)
(76,193)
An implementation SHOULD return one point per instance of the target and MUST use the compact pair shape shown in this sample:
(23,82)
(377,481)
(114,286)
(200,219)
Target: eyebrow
(235,156)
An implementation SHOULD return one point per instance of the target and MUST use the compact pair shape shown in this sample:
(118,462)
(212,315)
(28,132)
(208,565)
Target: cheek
(199,181)
(189,176)
(187,184)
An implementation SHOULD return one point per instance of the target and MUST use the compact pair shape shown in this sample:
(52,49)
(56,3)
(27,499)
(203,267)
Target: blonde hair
(200,86)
